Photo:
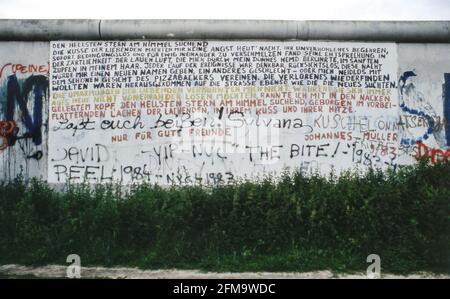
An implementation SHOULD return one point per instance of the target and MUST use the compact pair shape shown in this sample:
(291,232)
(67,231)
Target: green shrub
(297,223)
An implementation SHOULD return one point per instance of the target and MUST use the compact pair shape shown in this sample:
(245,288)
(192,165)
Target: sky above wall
(229,9)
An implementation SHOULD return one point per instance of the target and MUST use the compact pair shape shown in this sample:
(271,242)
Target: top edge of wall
(71,29)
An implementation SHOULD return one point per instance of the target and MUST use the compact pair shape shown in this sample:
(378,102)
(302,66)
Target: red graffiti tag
(24,69)
(434,154)
(7,129)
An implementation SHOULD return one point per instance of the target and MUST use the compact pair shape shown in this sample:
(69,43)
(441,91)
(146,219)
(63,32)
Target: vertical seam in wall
(308,31)
(100,29)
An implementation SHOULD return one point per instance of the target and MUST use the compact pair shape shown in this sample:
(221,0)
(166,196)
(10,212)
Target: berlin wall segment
(216,111)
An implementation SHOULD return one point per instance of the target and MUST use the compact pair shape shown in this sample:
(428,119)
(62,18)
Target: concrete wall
(425,94)
(102,119)
(24,97)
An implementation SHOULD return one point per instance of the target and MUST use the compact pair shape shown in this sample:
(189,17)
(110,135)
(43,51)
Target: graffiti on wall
(7,134)
(23,95)
(23,100)
(446,102)
(425,133)
(209,112)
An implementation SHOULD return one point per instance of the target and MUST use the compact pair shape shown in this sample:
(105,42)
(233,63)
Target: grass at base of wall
(299,223)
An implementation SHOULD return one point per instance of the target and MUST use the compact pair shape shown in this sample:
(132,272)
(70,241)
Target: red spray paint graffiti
(434,154)
(7,131)
(24,69)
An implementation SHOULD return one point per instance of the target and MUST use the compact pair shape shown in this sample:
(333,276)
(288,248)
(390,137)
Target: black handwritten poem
(211,112)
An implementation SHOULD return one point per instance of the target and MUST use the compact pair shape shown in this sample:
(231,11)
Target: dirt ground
(55,271)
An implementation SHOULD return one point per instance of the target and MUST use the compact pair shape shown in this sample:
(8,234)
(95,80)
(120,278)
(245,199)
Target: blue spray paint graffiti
(37,86)
(430,120)
(446,100)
